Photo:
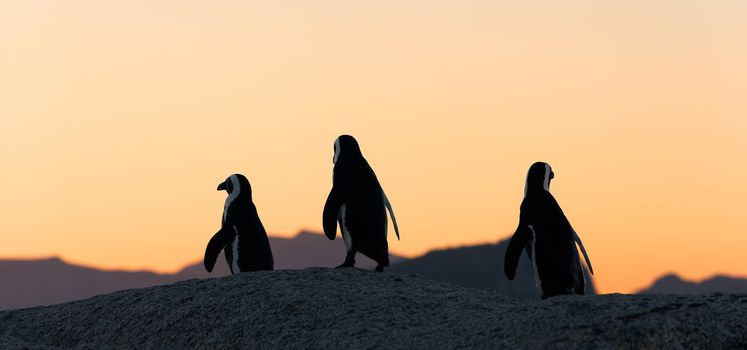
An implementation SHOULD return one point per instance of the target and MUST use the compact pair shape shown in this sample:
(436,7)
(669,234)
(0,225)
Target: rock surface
(350,308)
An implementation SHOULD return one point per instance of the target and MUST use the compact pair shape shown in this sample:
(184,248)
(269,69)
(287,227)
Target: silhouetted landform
(26,283)
(673,284)
(355,309)
(478,266)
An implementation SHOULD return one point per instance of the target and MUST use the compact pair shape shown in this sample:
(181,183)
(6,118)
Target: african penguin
(548,238)
(241,236)
(359,204)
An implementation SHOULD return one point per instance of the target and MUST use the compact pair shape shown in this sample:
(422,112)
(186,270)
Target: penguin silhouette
(359,204)
(548,237)
(241,236)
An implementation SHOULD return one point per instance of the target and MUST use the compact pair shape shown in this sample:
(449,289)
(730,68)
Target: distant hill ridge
(674,284)
(50,281)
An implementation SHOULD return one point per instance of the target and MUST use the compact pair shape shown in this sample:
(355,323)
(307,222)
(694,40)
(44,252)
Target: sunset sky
(119,119)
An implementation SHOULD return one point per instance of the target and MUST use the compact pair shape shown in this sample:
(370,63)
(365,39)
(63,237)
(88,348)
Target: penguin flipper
(219,240)
(513,253)
(391,213)
(330,213)
(583,251)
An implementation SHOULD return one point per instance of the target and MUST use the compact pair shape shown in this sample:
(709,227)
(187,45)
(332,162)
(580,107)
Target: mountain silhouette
(26,283)
(478,266)
(674,284)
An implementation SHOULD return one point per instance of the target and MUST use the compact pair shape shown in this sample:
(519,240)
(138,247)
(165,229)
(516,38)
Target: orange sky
(118,119)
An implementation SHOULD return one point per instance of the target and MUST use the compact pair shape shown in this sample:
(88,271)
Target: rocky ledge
(351,308)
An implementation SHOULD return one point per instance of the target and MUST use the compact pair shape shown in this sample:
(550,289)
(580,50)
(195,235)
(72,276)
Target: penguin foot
(344,266)
(379,268)
(347,263)
(349,260)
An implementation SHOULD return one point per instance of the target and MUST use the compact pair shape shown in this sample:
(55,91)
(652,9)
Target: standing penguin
(359,204)
(242,236)
(548,237)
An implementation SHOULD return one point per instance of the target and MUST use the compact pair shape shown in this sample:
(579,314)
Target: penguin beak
(222,186)
(552,175)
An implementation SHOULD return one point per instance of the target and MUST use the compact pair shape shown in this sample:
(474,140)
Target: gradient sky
(118,120)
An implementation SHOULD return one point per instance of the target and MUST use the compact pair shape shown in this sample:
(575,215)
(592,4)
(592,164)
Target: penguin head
(236,184)
(539,177)
(346,147)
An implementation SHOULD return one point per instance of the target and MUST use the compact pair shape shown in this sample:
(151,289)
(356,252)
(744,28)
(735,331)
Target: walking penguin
(547,235)
(359,204)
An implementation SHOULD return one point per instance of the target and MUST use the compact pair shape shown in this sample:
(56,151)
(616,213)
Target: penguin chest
(235,253)
(533,242)
(342,218)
